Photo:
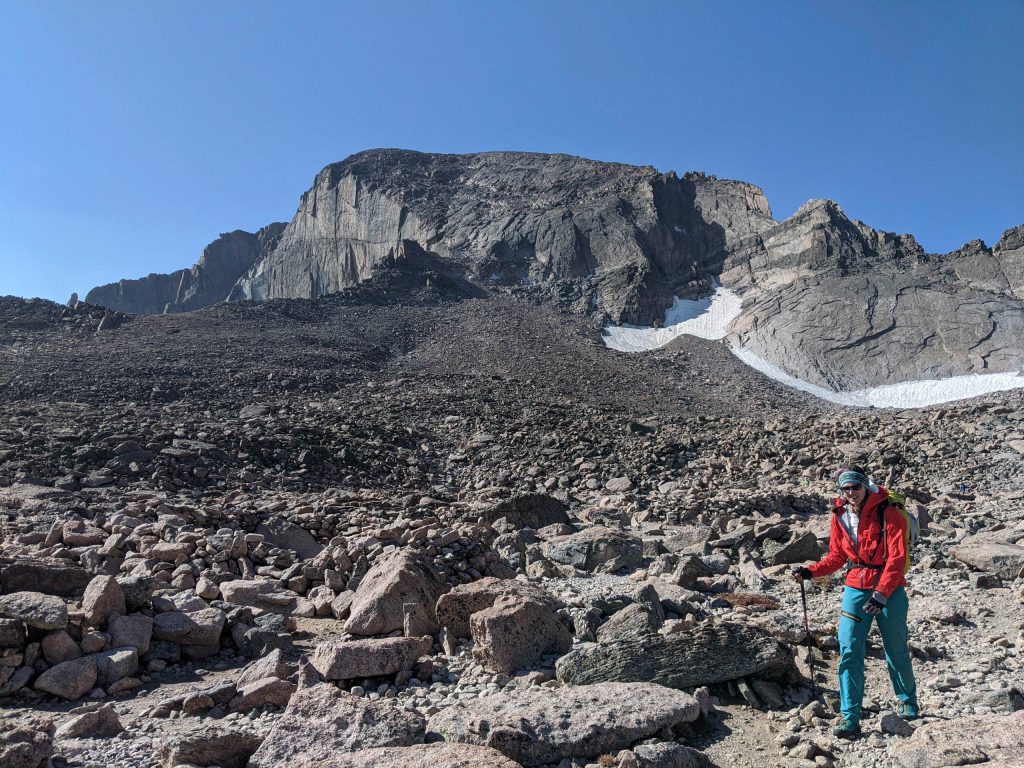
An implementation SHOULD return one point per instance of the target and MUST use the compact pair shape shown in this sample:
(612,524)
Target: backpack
(899,502)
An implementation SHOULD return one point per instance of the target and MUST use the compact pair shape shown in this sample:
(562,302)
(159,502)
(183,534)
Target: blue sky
(133,133)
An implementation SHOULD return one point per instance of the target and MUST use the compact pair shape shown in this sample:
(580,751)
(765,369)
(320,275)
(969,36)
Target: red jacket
(889,552)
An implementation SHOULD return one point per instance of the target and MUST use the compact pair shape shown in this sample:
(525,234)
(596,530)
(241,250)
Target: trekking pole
(807,633)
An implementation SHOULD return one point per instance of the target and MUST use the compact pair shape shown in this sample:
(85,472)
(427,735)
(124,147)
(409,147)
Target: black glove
(800,573)
(873,607)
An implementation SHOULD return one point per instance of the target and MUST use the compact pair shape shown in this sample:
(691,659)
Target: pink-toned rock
(516,632)
(201,743)
(200,628)
(35,609)
(455,607)
(273,665)
(368,658)
(102,600)
(394,580)
(170,551)
(78,533)
(440,755)
(322,722)
(58,646)
(981,739)
(262,693)
(115,664)
(26,745)
(264,595)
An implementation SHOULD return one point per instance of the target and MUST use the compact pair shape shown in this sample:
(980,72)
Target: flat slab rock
(710,654)
(979,740)
(540,726)
(368,658)
(321,722)
(439,755)
(991,554)
(197,743)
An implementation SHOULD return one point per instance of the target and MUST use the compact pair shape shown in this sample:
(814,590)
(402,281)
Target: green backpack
(899,502)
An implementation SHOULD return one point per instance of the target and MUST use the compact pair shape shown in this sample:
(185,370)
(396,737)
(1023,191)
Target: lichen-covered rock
(539,726)
(711,653)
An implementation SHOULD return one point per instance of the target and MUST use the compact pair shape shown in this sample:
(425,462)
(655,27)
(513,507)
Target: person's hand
(800,573)
(873,607)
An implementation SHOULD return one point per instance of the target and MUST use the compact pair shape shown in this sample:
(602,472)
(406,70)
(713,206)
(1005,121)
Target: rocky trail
(400,526)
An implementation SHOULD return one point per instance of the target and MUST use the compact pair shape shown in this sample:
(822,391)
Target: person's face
(855,493)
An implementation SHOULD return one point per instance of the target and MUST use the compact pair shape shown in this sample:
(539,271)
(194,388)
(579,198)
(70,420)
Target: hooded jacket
(887,554)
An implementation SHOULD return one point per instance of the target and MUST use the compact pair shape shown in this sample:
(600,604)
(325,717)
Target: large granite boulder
(135,630)
(456,606)
(103,599)
(437,755)
(202,744)
(991,553)
(35,609)
(359,659)
(516,632)
(598,549)
(979,740)
(69,679)
(265,595)
(51,577)
(199,628)
(322,722)
(711,653)
(393,581)
(26,745)
(531,510)
(93,721)
(540,726)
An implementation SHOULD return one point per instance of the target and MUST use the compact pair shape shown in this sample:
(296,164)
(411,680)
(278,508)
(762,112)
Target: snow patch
(709,318)
(705,318)
(908,394)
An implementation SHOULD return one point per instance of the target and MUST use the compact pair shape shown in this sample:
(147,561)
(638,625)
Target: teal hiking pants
(854,626)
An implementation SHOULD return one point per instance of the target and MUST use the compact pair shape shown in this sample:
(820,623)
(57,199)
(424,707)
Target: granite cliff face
(513,218)
(842,305)
(828,299)
(209,281)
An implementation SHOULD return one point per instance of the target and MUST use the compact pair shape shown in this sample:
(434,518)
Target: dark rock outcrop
(209,281)
(710,654)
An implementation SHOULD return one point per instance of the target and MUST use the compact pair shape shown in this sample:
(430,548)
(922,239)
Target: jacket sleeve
(836,558)
(896,552)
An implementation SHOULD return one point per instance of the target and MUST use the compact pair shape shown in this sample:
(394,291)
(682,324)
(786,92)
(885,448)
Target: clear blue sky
(133,133)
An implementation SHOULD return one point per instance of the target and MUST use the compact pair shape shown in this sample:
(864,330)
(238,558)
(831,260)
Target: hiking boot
(907,711)
(848,728)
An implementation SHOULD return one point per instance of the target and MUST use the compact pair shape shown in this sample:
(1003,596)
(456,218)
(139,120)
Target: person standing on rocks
(869,535)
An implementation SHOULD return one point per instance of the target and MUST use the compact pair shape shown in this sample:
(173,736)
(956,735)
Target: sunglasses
(851,488)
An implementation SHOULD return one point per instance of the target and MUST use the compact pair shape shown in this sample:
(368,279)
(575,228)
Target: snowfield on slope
(710,318)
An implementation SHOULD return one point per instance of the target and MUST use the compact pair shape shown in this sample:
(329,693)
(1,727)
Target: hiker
(875,590)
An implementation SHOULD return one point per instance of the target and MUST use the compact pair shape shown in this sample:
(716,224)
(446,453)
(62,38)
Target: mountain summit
(827,298)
